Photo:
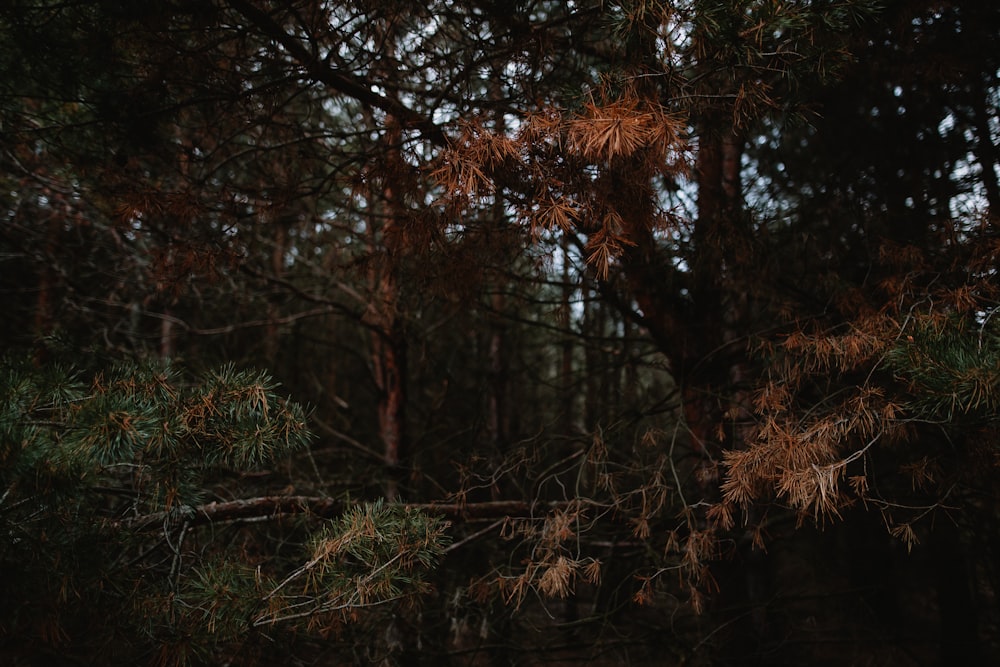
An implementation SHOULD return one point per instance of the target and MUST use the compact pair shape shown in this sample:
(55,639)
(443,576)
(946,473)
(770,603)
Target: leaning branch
(273,507)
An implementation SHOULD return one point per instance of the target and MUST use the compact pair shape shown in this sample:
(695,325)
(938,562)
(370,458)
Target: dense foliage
(647,331)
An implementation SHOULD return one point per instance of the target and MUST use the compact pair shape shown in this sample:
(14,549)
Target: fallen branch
(268,507)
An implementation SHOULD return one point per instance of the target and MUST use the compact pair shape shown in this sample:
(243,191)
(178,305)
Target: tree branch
(265,507)
(352,86)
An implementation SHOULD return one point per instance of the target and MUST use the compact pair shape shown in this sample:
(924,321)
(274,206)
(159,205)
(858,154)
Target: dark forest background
(499,333)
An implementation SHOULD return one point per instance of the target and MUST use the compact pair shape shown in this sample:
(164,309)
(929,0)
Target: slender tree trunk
(723,258)
(388,359)
(715,319)
(986,152)
(497,420)
(168,338)
(497,417)
(567,347)
(389,367)
(592,370)
(46,281)
(496,413)
(388,340)
(628,383)
(272,332)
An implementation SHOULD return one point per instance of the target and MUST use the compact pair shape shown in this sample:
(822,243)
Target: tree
(102,477)
(683,274)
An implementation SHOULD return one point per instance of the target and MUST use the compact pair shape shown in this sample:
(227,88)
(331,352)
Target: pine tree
(106,477)
(669,279)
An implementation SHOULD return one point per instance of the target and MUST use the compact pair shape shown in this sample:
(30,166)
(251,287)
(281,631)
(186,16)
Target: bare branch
(265,507)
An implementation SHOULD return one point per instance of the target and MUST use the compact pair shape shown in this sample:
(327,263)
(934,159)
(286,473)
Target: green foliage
(375,554)
(141,427)
(553,345)
(951,368)
(84,459)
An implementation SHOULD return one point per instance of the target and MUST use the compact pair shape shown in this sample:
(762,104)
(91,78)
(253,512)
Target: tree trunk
(959,618)
(168,338)
(389,368)
(272,332)
(496,409)
(388,360)
(986,152)
(566,320)
(46,282)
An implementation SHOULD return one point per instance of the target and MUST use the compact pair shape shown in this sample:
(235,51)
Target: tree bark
(986,152)
(496,409)
(388,342)
(388,365)
(273,330)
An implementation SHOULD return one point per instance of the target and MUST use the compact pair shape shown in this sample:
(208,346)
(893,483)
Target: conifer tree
(638,294)
(107,477)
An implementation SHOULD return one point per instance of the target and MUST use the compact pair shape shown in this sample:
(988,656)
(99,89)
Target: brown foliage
(563,170)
